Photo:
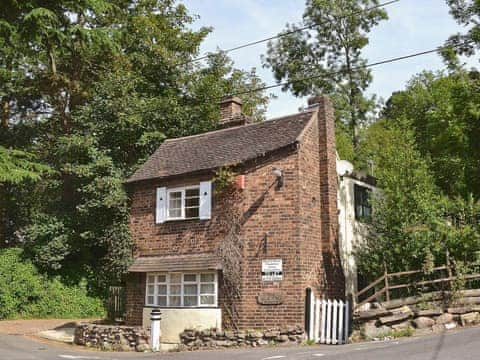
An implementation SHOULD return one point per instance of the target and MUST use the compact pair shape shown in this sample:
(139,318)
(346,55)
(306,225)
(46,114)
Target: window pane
(175,301)
(192,192)
(207,300)
(151,279)
(191,213)
(162,278)
(207,277)
(175,289)
(150,300)
(175,195)
(174,213)
(162,301)
(190,289)
(190,277)
(162,289)
(190,300)
(207,289)
(192,202)
(175,278)
(150,289)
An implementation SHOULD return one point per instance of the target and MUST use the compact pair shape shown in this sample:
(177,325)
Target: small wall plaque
(270,298)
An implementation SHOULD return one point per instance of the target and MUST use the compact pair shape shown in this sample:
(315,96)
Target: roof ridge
(239,126)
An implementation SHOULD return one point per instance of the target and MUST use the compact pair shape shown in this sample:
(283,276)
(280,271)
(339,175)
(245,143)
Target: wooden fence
(116,303)
(329,321)
(385,285)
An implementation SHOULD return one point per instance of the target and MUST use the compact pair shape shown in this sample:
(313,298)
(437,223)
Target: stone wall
(415,314)
(209,339)
(112,338)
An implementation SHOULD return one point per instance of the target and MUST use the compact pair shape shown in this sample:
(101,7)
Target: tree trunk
(351,100)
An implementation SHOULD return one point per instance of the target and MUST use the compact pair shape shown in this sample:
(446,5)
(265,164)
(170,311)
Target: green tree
(408,208)
(328,57)
(92,87)
(467,14)
(444,112)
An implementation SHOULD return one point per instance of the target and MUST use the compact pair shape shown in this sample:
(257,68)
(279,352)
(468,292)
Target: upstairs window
(363,208)
(183,203)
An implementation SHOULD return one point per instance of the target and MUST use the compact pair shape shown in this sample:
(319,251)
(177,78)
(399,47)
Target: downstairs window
(181,289)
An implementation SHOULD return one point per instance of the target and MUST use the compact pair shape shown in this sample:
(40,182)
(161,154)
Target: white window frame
(168,283)
(181,190)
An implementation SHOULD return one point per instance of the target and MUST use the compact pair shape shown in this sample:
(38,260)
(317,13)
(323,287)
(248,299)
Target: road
(459,345)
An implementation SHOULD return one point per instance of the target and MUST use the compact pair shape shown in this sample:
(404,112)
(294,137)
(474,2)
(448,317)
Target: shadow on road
(439,346)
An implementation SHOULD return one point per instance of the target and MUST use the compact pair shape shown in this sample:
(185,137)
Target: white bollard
(155,332)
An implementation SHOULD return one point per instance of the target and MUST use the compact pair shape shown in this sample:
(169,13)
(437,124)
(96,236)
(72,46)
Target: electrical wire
(280,35)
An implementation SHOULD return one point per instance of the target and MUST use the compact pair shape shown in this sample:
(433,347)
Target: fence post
(385,273)
(316,334)
(347,321)
(341,309)
(329,322)
(322,323)
(311,334)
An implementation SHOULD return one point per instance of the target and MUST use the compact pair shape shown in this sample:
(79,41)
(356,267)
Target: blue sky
(414,25)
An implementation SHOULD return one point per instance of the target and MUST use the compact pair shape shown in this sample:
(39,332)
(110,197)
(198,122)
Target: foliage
(444,111)
(328,58)
(467,14)
(224,179)
(17,166)
(92,88)
(407,210)
(27,294)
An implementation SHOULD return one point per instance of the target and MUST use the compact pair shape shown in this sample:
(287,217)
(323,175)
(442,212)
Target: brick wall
(135,298)
(300,219)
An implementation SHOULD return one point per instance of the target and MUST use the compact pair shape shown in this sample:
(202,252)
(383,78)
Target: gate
(116,303)
(329,321)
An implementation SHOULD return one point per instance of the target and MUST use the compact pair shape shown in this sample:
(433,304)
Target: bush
(25,293)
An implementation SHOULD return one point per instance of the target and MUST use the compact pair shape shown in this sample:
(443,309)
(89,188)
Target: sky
(413,26)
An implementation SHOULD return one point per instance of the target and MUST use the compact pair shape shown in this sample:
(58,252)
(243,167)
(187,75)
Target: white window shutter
(161,209)
(205,200)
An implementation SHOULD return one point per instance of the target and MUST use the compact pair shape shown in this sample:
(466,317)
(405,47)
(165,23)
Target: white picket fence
(329,321)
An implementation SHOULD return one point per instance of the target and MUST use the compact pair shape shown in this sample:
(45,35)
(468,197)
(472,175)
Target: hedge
(25,293)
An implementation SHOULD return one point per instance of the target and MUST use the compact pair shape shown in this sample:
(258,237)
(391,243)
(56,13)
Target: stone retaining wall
(112,338)
(383,321)
(208,339)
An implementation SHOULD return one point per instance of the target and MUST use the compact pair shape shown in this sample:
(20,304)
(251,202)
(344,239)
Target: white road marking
(274,357)
(79,357)
(318,355)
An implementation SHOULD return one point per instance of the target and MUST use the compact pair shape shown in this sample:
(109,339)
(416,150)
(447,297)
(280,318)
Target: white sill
(181,219)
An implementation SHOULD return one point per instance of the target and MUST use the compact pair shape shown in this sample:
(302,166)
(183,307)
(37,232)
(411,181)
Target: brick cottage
(244,256)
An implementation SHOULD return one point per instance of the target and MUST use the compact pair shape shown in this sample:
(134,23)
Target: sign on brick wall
(272,270)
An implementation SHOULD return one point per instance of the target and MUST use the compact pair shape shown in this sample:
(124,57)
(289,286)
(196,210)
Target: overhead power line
(377,63)
(356,68)
(286,33)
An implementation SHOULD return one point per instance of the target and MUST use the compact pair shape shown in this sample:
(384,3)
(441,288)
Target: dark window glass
(363,208)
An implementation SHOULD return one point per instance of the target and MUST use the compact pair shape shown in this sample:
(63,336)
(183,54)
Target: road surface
(458,345)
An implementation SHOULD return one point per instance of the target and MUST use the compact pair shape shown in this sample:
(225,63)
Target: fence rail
(388,286)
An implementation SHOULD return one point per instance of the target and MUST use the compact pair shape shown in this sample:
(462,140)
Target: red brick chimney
(231,113)
(334,277)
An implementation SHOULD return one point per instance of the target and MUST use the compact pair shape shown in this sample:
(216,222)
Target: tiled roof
(208,261)
(224,147)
